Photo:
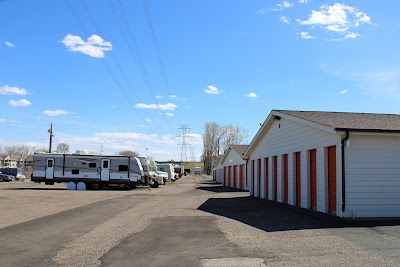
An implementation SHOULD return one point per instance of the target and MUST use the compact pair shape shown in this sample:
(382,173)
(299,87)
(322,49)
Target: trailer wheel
(155,184)
(129,187)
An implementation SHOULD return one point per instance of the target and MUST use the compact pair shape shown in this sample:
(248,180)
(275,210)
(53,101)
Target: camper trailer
(169,169)
(150,172)
(93,170)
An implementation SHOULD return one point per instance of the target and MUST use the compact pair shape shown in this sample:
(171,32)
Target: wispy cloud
(384,83)
(306,35)
(168,106)
(303,1)
(2,120)
(94,46)
(170,114)
(148,120)
(20,103)
(212,90)
(53,113)
(338,18)
(285,19)
(12,90)
(9,44)
(343,92)
(251,95)
(158,96)
(281,6)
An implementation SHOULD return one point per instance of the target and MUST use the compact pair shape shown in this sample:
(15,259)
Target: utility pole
(51,137)
(184,144)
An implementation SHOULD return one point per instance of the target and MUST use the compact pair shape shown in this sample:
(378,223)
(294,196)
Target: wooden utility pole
(51,136)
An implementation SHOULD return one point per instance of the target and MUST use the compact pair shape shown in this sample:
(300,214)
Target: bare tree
(20,150)
(217,139)
(62,148)
(128,153)
(233,135)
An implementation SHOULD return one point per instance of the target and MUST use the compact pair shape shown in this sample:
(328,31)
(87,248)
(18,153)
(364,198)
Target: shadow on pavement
(219,189)
(271,216)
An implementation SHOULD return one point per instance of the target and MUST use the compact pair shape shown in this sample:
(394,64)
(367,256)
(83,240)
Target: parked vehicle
(163,175)
(15,172)
(197,170)
(93,170)
(179,169)
(169,169)
(6,177)
(150,172)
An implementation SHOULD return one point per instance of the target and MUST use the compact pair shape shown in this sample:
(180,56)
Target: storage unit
(234,166)
(346,164)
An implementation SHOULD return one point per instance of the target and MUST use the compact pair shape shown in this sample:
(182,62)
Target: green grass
(170,183)
(3,197)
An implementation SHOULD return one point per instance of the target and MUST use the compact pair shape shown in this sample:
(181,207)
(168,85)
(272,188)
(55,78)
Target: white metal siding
(286,137)
(373,176)
(232,159)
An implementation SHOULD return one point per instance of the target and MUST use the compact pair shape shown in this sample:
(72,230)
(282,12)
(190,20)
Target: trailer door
(105,170)
(49,168)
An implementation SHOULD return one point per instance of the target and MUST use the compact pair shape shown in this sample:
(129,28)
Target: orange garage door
(313,178)
(332,178)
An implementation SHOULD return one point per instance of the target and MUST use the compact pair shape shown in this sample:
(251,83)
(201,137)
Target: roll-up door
(313,178)
(242,177)
(275,178)
(332,178)
(266,177)
(252,177)
(235,175)
(230,176)
(259,178)
(285,178)
(298,178)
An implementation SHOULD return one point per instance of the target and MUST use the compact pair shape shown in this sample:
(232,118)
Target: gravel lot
(193,222)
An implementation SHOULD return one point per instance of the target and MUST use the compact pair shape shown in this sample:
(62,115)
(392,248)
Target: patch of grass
(169,183)
(3,197)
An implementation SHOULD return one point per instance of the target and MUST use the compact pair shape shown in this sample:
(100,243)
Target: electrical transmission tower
(184,144)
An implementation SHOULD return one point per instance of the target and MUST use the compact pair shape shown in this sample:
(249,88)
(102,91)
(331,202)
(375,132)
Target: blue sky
(113,75)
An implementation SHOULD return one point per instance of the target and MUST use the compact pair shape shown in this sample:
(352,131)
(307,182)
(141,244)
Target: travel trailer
(169,169)
(92,170)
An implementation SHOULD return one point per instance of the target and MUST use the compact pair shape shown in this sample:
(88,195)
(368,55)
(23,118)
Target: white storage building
(234,167)
(346,164)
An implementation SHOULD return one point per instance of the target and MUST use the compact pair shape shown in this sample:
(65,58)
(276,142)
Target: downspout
(344,171)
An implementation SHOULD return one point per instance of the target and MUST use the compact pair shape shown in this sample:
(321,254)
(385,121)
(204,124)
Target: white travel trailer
(169,169)
(93,170)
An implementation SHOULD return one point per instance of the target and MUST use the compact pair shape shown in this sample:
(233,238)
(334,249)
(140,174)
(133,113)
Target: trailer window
(83,163)
(123,168)
(50,163)
(75,171)
(105,164)
(92,165)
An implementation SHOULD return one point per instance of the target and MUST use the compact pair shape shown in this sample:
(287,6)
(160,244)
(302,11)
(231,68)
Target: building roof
(349,120)
(240,149)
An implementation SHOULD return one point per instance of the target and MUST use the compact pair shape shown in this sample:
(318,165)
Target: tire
(155,184)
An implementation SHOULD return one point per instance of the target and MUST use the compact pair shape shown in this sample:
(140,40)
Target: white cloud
(94,46)
(212,90)
(149,120)
(343,92)
(303,1)
(337,18)
(251,95)
(306,35)
(170,114)
(54,113)
(281,6)
(384,83)
(20,103)
(8,90)
(3,120)
(285,19)
(168,106)
(9,44)
(172,96)
(158,96)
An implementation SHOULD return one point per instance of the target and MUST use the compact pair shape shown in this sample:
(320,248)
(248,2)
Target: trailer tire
(155,184)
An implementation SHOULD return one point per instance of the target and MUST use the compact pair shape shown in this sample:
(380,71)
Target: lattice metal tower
(184,144)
